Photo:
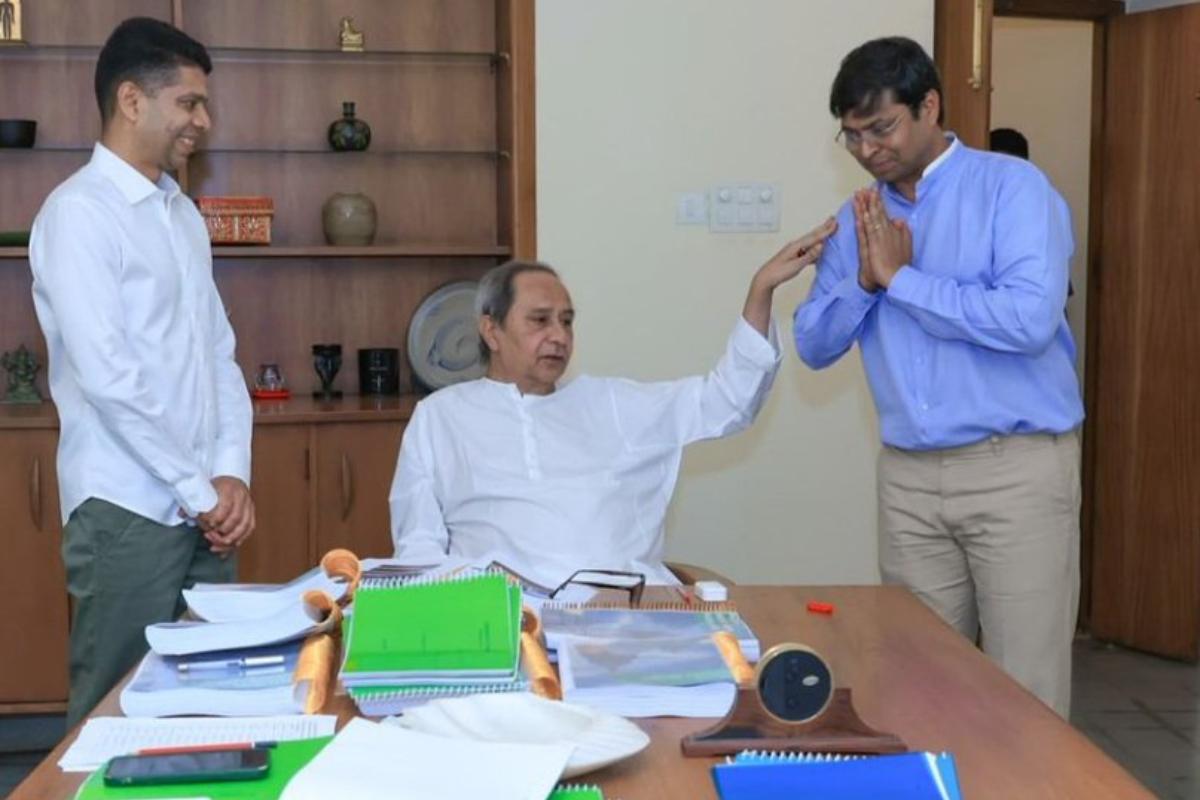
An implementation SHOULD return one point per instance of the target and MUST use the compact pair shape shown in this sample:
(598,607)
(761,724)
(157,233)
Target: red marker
(820,608)
(203,748)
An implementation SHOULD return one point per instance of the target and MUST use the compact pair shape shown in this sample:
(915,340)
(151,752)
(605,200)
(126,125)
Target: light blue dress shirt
(971,339)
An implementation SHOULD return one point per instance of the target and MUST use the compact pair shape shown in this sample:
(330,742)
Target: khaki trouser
(124,572)
(987,536)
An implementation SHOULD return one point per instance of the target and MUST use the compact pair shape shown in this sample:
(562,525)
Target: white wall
(640,99)
(1042,74)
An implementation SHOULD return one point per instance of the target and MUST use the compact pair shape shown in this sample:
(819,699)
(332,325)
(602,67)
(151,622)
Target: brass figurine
(10,22)
(351,39)
(21,366)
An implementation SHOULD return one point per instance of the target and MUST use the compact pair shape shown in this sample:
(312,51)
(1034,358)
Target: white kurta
(580,478)
(151,403)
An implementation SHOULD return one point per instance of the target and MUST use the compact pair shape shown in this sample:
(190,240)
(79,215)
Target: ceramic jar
(349,219)
(349,132)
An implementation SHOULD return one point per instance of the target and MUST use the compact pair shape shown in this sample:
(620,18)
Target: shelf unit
(447,87)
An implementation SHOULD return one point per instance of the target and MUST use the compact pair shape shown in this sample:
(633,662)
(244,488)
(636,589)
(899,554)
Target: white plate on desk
(600,739)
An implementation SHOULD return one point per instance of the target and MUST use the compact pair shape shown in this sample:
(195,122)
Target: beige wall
(1042,73)
(638,100)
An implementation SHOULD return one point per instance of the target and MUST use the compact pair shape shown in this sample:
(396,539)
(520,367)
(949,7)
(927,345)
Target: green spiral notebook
(287,758)
(440,631)
(575,791)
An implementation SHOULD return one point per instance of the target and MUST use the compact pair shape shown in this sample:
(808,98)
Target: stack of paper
(105,737)
(561,620)
(292,621)
(646,677)
(367,760)
(232,602)
(254,682)
(408,641)
(244,660)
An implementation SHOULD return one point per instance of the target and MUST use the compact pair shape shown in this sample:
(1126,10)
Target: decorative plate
(443,338)
(600,738)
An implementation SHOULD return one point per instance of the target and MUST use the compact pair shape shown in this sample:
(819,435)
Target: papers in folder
(646,677)
(104,737)
(561,620)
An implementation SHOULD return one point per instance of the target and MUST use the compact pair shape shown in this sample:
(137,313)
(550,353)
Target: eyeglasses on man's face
(875,133)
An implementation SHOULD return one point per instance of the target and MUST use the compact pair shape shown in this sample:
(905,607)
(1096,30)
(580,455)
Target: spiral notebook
(576,791)
(783,776)
(440,631)
(383,701)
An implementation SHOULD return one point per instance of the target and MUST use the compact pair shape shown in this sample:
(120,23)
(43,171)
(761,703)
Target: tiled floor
(1143,711)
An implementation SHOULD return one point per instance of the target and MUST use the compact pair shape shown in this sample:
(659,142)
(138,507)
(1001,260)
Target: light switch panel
(744,208)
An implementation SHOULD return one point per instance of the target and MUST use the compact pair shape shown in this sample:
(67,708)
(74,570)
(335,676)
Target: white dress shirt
(151,404)
(579,478)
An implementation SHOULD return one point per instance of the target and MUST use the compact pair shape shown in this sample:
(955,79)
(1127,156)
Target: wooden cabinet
(355,462)
(319,483)
(279,548)
(35,620)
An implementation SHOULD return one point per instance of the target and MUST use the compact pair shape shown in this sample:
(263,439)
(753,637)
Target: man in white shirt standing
(154,449)
(548,479)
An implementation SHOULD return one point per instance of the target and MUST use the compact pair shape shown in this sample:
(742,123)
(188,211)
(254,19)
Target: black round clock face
(795,683)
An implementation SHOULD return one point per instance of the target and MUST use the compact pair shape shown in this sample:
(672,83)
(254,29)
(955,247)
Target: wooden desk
(911,675)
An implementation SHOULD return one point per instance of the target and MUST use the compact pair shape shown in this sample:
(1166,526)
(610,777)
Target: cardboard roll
(794,683)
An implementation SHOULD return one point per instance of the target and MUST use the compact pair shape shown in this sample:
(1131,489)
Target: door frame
(1098,12)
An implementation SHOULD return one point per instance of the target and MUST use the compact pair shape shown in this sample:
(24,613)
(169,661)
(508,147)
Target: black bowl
(17,132)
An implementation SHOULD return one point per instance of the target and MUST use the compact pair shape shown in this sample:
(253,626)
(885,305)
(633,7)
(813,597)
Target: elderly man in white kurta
(547,479)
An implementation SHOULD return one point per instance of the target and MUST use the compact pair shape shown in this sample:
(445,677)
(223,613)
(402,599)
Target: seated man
(548,479)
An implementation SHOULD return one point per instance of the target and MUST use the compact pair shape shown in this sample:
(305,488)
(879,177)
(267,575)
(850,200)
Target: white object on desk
(599,738)
(104,737)
(711,591)
(367,760)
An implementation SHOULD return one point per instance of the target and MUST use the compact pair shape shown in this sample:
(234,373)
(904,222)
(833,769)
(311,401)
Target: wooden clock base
(748,726)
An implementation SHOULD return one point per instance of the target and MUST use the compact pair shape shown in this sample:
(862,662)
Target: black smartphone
(210,765)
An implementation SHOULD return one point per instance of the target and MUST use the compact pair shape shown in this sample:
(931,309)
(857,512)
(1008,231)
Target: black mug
(379,370)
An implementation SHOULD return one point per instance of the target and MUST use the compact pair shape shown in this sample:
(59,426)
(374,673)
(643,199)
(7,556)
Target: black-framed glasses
(632,582)
(875,133)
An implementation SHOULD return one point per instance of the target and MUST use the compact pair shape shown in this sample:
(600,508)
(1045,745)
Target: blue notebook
(905,776)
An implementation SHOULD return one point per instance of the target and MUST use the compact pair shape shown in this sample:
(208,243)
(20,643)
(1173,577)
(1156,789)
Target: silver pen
(234,663)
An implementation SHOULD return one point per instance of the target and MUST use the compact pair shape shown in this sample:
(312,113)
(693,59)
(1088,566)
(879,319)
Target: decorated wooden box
(237,220)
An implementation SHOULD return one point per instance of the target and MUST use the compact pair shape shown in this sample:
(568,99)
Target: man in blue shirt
(951,274)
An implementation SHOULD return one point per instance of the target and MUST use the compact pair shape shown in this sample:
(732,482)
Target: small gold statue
(10,22)
(351,39)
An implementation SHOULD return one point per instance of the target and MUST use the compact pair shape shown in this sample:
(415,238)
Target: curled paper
(543,680)
(341,563)
(314,672)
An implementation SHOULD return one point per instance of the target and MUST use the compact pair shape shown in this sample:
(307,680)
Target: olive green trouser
(124,572)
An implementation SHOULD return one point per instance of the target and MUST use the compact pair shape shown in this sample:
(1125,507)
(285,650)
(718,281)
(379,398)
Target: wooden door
(355,463)
(962,48)
(280,548)
(34,625)
(1146,411)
